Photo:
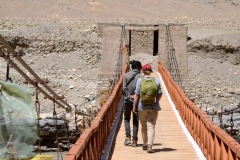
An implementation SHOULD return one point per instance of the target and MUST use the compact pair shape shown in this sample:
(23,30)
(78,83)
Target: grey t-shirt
(132,85)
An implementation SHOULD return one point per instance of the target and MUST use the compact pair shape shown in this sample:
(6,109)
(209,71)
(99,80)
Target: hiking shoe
(134,143)
(127,142)
(144,147)
(149,149)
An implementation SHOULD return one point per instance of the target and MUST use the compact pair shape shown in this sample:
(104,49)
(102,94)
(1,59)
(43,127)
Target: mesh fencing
(18,125)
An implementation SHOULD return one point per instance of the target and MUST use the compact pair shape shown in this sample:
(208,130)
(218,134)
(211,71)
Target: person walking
(129,85)
(146,104)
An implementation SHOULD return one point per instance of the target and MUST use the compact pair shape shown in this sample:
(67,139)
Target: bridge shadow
(110,146)
(154,144)
(164,150)
(158,149)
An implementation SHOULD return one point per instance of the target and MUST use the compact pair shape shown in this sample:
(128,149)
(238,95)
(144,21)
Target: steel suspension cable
(37,108)
(125,36)
(7,73)
(173,66)
(175,61)
(119,62)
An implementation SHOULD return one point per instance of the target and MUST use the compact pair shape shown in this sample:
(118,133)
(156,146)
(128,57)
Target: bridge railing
(91,143)
(214,142)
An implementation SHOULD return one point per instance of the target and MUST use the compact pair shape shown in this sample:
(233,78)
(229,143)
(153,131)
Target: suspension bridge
(183,130)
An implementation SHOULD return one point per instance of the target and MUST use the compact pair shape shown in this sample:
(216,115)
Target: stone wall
(142,42)
(49,137)
(109,64)
(178,37)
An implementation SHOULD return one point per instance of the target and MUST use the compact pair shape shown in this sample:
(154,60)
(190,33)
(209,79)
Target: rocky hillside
(68,52)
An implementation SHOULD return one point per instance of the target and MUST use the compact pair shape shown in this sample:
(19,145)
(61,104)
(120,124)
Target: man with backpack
(129,85)
(147,95)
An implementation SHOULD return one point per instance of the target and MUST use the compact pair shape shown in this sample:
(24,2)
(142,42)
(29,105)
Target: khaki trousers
(148,120)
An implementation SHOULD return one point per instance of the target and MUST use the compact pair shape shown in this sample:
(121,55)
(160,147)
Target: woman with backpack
(147,95)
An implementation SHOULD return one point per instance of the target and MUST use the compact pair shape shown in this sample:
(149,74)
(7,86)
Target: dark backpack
(148,91)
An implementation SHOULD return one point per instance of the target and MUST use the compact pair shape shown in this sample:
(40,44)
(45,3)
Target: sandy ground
(119,9)
(55,155)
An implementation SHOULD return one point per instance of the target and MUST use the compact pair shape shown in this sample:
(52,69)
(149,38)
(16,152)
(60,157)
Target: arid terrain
(61,42)
(120,9)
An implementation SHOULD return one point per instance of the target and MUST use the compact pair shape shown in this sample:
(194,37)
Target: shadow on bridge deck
(170,141)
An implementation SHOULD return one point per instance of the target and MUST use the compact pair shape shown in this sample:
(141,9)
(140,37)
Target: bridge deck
(170,141)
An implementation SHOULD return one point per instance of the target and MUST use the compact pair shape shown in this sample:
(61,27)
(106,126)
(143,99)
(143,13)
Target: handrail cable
(125,36)
(170,54)
(172,58)
(119,62)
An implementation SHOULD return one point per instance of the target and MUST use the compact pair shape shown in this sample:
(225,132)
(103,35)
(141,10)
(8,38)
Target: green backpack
(148,91)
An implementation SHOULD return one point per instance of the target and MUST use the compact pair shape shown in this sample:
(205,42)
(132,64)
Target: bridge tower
(169,43)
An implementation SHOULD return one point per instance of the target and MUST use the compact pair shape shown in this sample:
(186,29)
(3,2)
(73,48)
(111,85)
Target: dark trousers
(127,116)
